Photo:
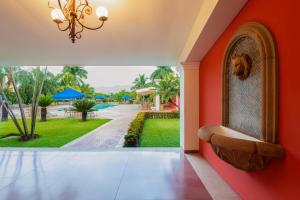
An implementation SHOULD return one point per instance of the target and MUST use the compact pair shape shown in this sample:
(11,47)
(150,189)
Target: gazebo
(148,91)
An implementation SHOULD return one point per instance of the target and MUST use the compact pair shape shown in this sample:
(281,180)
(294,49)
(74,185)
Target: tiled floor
(111,174)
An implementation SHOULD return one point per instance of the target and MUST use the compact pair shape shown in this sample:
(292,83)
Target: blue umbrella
(68,93)
(100,97)
(126,98)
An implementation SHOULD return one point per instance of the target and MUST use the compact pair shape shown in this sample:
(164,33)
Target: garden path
(111,134)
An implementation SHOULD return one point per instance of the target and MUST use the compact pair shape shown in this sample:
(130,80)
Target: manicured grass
(160,133)
(53,132)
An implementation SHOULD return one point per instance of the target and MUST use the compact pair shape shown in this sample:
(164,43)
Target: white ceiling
(138,32)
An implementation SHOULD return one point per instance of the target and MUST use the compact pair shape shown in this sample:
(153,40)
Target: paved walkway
(111,134)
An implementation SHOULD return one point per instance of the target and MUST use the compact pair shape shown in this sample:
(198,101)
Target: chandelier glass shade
(70,16)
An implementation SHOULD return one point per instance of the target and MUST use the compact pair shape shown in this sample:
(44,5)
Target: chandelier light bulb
(71,16)
(102,13)
(57,16)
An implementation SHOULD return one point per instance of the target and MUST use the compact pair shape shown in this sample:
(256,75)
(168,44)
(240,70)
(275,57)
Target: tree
(72,77)
(78,72)
(44,102)
(140,82)
(84,106)
(25,81)
(4,116)
(160,72)
(6,84)
(118,96)
(51,84)
(168,88)
(87,90)
(39,80)
(67,81)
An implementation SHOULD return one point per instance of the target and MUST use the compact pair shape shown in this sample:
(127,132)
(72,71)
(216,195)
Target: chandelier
(71,16)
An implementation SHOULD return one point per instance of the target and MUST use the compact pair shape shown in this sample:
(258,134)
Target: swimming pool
(96,107)
(103,106)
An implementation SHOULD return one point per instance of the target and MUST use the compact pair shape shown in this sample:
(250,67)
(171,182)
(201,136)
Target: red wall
(281,179)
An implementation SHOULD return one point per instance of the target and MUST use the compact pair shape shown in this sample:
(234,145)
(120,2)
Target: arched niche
(248,137)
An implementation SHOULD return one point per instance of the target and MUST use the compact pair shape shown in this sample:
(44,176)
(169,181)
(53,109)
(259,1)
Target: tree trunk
(44,114)
(4,113)
(84,116)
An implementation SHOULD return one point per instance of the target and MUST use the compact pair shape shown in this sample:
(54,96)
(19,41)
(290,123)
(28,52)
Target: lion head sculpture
(241,65)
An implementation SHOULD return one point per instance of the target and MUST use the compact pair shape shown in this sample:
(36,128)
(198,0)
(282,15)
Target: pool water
(103,106)
(96,107)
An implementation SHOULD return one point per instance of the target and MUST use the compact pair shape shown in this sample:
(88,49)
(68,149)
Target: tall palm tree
(160,72)
(75,73)
(67,80)
(168,88)
(39,82)
(39,79)
(140,82)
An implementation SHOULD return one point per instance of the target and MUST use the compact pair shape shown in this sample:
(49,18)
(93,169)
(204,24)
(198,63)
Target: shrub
(162,115)
(136,126)
(84,106)
(44,102)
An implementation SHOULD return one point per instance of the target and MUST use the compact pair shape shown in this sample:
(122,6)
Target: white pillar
(189,111)
(157,102)
(177,102)
(181,72)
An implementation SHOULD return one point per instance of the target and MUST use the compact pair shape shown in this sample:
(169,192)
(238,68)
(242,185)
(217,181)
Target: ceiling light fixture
(71,14)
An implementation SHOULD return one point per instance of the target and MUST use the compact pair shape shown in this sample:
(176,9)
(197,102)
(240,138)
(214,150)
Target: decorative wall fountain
(248,136)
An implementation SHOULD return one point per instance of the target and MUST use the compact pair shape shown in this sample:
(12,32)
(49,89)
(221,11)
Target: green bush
(84,106)
(136,126)
(45,101)
(162,115)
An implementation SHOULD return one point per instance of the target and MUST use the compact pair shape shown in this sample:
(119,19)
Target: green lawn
(160,133)
(53,133)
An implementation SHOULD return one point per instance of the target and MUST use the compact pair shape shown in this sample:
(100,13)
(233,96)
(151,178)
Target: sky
(111,76)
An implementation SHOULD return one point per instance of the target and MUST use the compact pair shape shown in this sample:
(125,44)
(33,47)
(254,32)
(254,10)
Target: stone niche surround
(247,138)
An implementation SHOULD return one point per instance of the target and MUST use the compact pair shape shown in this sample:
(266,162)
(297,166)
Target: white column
(189,101)
(177,102)
(181,72)
(157,102)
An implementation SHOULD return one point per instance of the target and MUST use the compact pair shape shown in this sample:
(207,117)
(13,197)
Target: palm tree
(39,82)
(76,71)
(168,88)
(160,72)
(39,79)
(84,106)
(87,90)
(140,82)
(73,75)
(44,102)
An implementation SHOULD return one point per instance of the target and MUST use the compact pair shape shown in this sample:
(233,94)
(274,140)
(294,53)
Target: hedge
(136,126)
